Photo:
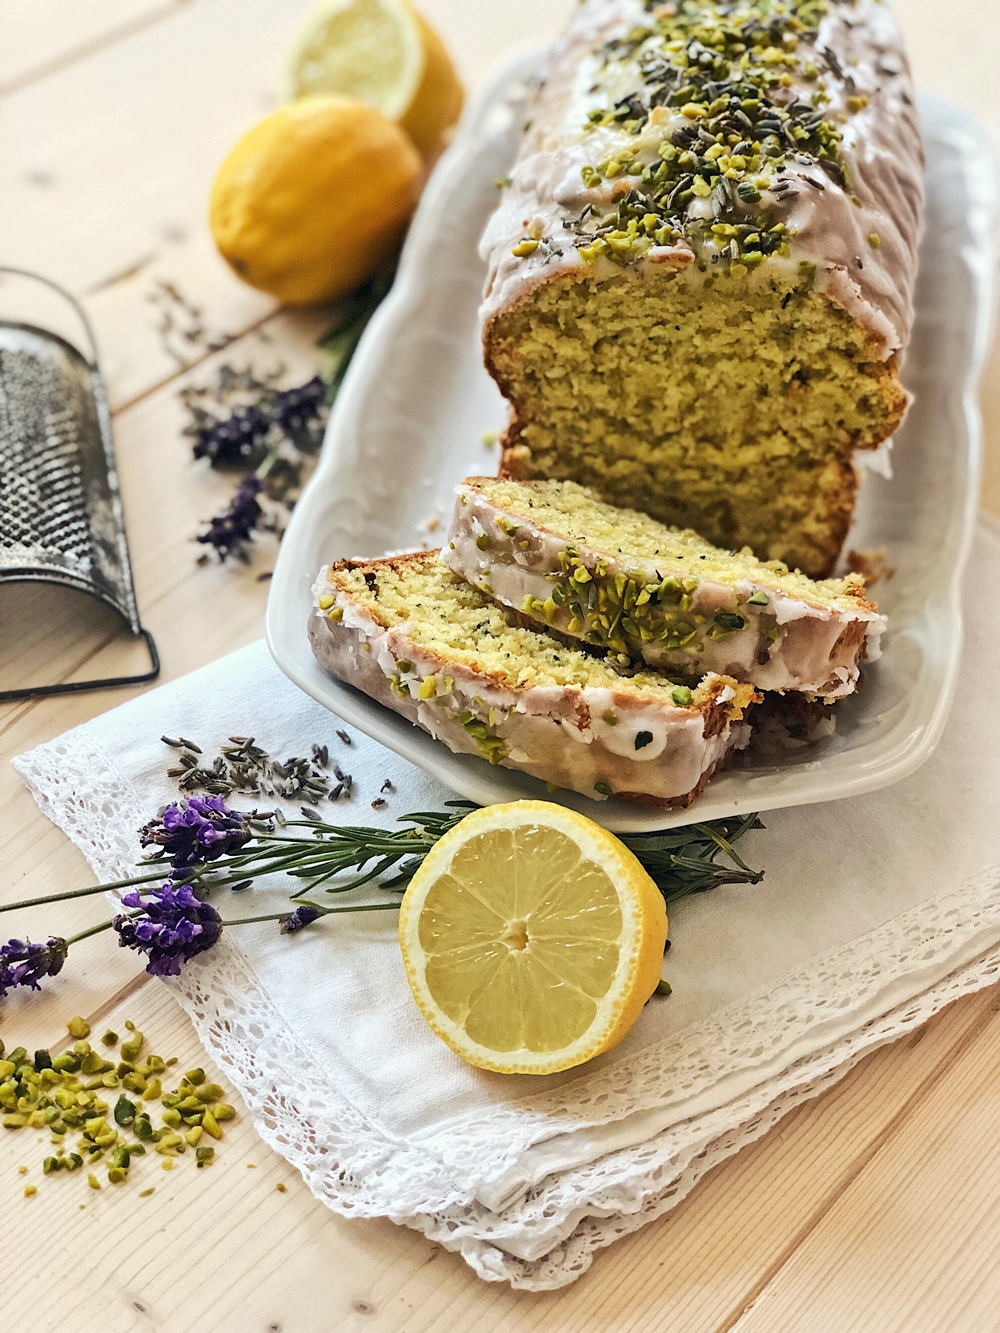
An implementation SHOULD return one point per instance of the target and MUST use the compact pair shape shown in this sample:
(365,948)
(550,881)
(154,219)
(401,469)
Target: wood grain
(40,37)
(910,1246)
(870,1208)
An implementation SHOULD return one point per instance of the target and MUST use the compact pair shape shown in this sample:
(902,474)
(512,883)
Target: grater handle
(68,297)
(77,686)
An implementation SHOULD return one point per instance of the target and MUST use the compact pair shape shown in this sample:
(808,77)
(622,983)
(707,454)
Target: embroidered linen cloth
(873,914)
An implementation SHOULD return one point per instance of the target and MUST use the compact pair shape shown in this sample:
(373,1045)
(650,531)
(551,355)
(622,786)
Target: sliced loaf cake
(410,633)
(619,580)
(702,266)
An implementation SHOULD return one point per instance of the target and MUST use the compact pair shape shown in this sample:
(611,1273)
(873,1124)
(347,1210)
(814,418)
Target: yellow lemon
(531,938)
(311,201)
(383,53)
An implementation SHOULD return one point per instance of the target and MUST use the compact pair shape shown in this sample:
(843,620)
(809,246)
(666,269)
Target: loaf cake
(411,634)
(621,581)
(701,270)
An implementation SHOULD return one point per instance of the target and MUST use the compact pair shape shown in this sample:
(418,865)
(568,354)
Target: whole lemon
(311,201)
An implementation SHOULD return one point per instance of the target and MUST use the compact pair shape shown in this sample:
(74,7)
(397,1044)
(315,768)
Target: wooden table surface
(870,1209)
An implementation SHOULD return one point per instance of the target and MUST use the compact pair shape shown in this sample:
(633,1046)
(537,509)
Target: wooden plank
(912,1245)
(955,59)
(40,37)
(123,154)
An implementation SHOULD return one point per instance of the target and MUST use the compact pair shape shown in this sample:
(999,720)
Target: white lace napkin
(873,914)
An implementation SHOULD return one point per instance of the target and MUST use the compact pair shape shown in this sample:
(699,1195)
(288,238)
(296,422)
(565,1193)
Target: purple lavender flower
(229,531)
(300,413)
(171,927)
(24,964)
(301,917)
(236,440)
(240,439)
(201,829)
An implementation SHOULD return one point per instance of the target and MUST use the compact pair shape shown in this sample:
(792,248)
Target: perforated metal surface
(60,510)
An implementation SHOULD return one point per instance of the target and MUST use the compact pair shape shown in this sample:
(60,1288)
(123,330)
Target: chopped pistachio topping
(716,74)
(488,743)
(620,611)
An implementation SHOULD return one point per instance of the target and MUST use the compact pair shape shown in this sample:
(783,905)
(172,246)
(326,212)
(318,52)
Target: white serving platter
(409,425)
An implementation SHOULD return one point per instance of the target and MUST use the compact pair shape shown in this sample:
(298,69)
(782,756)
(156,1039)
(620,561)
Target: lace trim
(548,1235)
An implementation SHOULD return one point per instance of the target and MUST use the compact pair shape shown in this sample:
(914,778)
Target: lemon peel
(384,53)
(314,198)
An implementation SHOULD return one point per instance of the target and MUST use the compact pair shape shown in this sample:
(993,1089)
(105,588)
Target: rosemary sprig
(355,311)
(685,860)
(680,861)
(204,847)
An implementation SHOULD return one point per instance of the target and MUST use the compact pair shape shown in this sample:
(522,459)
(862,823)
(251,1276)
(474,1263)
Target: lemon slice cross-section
(531,938)
(383,53)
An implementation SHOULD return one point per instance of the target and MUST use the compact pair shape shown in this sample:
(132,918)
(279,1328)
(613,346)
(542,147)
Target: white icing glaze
(556,733)
(811,652)
(881,147)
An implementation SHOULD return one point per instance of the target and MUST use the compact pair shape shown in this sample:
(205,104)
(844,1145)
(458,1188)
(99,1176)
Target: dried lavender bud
(229,531)
(302,916)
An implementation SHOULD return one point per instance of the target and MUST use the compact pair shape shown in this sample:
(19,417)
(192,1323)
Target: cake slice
(416,637)
(621,581)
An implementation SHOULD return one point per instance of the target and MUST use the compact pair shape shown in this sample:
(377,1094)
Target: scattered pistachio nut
(62,1094)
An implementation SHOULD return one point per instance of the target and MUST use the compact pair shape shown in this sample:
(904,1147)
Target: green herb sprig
(680,861)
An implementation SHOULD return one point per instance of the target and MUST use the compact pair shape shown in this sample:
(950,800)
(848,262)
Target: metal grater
(60,510)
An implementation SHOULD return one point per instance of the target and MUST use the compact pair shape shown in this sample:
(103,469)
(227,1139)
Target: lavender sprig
(211,847)
(171,926)
(276,433)
(229,531)
(25,964)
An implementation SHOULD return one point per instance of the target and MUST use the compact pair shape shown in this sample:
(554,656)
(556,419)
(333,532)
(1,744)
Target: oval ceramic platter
(415,407)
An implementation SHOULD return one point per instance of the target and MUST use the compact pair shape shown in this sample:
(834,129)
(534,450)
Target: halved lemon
(383,53)
(531,938)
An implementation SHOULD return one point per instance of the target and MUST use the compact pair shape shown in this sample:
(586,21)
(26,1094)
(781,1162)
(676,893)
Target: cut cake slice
(416,637)
(619,580)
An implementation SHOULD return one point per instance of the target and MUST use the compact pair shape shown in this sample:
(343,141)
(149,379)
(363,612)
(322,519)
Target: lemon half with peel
(384,53)
(531,938)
